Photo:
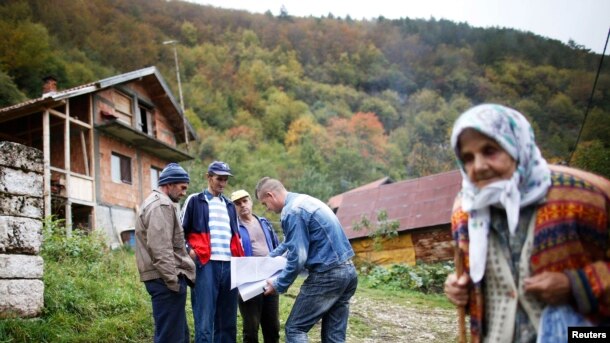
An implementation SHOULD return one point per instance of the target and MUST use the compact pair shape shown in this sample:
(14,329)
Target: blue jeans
(323,296)
(169,311)
(214,303)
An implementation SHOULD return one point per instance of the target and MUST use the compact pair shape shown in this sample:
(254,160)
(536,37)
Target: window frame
(124,171)
(157,171)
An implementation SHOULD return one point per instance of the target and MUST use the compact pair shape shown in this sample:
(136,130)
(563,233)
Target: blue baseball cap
(219,168)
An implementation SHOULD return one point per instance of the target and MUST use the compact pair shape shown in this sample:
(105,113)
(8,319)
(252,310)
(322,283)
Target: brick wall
(117,202)
(119,194)
(433,244)
(148,162)
(429,245)
(21,212)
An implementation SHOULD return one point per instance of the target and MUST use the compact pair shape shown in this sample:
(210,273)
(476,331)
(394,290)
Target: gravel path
(391,322)
(375,319)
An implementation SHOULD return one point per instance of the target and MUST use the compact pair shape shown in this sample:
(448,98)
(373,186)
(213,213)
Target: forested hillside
(326,104)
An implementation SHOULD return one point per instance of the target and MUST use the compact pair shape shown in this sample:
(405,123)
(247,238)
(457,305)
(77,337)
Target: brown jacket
(160,246)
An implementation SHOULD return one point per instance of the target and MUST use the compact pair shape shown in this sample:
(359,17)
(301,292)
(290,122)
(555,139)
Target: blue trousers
(323,296)
(169,311)
(214,303)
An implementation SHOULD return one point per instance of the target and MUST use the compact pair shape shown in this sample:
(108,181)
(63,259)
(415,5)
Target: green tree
(189,33)
(26,54)
(280,111)
(594,157)
(9,92)
(384,110)
(597,127)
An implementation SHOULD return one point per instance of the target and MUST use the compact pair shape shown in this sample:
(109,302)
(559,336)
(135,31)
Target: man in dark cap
(210,225)
(163,262)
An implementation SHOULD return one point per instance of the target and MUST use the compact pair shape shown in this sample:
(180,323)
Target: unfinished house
(422,209)
(104,145)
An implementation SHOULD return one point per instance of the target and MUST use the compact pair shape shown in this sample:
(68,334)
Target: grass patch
(88,302)
(405,297)
(93,294)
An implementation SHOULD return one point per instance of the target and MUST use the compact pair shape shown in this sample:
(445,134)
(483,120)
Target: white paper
(250,274)
(251,289)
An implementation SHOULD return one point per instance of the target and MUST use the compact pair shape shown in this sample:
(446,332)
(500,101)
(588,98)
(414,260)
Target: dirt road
(393,322)
(378,316)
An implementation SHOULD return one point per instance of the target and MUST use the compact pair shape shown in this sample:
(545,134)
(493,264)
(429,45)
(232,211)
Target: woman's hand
(550,287)
(457,289)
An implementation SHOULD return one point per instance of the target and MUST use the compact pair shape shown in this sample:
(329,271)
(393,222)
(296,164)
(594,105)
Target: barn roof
(335,202)
(415,203)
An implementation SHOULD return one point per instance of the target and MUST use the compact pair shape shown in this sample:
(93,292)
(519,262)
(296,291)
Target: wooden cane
(459,270)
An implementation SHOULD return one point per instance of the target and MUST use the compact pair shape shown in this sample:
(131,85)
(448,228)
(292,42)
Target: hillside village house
(104,145)
(422,207)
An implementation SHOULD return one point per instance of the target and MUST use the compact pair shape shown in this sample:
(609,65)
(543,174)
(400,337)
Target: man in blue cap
(210,226)
(163,262)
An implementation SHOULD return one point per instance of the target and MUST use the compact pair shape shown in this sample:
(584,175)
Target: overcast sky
(585,21)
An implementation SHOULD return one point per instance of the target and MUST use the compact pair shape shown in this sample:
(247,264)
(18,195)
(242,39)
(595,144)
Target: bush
(425,278)
(88,247)
(91,294)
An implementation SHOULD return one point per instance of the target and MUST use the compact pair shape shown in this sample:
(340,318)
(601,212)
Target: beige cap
(239,194)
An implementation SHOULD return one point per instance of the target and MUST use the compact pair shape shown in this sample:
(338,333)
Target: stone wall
(21,213)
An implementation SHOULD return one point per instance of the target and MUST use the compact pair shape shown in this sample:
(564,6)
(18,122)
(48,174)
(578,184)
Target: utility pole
(173,43)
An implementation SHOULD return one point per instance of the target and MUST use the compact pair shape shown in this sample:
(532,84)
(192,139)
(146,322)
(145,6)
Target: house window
(121,168)
(145,120)
(154,177)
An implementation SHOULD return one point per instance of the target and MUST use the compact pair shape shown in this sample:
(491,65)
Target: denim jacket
(314,239)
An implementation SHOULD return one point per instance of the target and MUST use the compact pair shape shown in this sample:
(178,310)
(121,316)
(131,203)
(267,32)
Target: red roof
(415,203)
(335,201)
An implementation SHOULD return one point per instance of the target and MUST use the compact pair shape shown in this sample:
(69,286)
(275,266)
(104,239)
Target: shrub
(91,294)
(87,247)
(425,278)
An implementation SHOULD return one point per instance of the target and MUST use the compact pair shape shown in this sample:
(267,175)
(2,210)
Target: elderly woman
(535,238)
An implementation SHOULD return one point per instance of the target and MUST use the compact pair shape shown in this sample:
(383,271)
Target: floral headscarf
(528,184)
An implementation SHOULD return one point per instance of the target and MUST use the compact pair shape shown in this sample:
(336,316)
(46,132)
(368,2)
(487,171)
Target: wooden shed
(422,208)
(104,144)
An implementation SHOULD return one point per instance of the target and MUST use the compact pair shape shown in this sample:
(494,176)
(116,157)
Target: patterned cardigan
(571,234)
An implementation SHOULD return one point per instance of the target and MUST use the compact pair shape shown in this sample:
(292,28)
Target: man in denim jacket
(315,241)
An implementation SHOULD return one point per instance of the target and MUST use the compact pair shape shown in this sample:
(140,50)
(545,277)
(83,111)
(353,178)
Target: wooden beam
(46,158)
(57,113)
(93,173)
(85,154)
(67,166)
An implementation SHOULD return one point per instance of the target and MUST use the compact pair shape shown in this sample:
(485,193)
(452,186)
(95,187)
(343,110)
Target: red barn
(422,209)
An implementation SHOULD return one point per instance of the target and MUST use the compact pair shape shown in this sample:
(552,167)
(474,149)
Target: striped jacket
(196,224)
